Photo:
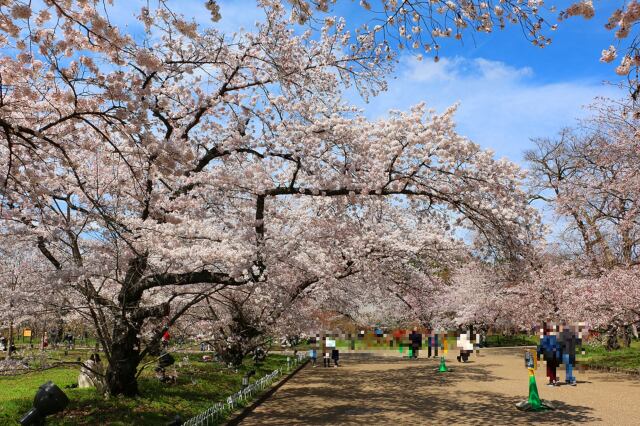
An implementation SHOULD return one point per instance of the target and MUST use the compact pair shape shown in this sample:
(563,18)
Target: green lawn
(199,386)
(497,340)
(24,343)
(624,358)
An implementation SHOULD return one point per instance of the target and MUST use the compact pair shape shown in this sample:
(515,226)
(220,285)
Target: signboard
(530,359)
(331,343)
(26,332)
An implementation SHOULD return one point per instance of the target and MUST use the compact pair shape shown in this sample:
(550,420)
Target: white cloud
(457,68)
(501,106)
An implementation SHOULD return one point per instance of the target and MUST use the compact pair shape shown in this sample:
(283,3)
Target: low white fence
(214,414)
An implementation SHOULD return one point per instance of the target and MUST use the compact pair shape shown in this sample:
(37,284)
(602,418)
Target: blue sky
(508,90)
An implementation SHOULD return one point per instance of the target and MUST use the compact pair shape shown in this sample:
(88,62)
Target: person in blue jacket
(550,350)
(313,355)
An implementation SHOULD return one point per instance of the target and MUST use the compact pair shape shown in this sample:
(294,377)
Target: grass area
(624,358)
(79,342)
(497,340)
(199,386)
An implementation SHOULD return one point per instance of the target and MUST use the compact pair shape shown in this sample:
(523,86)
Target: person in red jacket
(165,338)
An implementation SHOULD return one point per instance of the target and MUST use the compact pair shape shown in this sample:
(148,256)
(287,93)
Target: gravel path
(375,389)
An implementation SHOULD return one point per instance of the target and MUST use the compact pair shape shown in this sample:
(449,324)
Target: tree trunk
(125,357)
(612,338)
(626,336)
(59,332)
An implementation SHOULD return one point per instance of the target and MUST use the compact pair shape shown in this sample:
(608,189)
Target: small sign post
(533,403)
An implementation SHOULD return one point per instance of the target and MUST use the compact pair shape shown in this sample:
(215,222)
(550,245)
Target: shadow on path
(382,390)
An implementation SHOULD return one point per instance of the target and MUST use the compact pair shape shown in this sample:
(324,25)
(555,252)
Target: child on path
(313,355)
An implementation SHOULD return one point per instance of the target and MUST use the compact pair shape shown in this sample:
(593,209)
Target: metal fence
(217,412)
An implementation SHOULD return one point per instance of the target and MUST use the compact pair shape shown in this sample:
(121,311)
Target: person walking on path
(326,355)
(313,355)
(335,356)
(432,343)
(379,334)
(568,340)
(444,339)
(415,338)
(397,338)
(465,345)
(550,350)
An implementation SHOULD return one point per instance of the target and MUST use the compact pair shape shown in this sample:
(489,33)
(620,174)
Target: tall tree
(589,177)
(154,170)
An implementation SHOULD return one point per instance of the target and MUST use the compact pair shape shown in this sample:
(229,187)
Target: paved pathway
(378,390)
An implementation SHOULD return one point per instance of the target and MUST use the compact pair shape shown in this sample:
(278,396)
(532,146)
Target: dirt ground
(385,389)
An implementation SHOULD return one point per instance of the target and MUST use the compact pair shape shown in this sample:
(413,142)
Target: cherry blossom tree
(478,295)
(15,302)
(589,179)
(589,176)
(153,172)
(357,258)
(26,297)
(607,302)
(611,303)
